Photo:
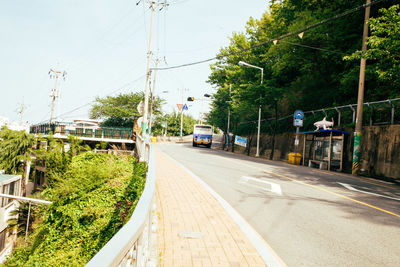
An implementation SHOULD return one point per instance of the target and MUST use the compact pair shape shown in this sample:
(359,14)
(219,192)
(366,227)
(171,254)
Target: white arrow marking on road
(275,188)
(370,193)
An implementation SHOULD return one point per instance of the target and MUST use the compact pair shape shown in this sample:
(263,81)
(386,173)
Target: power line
(113,92)
(273,40)
(316,48)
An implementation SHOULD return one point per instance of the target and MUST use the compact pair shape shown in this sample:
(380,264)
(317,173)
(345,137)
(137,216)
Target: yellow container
(295,157)
(153,139)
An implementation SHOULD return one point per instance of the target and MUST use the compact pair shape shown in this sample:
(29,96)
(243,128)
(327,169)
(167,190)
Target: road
(309,217)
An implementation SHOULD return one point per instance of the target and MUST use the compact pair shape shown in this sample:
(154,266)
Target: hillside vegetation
(313,68)
(92,200)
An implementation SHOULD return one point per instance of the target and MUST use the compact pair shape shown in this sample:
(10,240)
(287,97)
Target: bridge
(93,133)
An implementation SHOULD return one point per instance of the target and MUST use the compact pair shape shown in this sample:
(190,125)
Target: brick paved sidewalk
(193,228)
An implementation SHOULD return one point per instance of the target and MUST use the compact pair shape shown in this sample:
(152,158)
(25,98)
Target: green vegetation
(310,72)
(14,150)
(121,110)
(92,200)
(173,122)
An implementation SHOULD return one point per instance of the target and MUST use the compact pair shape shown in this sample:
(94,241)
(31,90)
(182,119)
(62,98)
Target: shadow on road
(354,204)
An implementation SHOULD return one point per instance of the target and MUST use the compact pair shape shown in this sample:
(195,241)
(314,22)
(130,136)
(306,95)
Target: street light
(242,63)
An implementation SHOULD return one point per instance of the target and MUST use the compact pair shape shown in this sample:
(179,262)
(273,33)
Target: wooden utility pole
(360,101)
(54,94)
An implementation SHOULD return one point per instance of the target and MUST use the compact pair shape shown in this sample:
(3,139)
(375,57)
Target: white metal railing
(132,244)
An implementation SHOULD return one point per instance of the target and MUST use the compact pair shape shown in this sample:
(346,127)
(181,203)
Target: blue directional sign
(298,117)
(298,114)
(185,107)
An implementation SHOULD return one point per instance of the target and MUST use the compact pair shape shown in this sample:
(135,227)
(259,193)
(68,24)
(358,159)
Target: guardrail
(132,244)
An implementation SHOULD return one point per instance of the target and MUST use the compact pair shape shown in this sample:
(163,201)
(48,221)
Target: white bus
(202,135)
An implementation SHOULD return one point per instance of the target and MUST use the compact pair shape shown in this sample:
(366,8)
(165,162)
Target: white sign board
(140,108)
(240,141)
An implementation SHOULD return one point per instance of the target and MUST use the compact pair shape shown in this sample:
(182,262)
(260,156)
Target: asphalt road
(309,217)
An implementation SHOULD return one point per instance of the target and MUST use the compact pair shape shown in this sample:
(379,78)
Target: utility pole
(148,77)
(360,101)
(149,56)
(21,111)
(153,96)
(229,117)
(182,113)
(54,94)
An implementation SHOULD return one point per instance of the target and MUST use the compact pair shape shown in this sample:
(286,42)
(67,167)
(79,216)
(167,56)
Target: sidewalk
(193,228)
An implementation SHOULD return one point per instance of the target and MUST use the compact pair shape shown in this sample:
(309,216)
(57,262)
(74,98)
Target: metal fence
(374,113)
(133,243)
(67,129)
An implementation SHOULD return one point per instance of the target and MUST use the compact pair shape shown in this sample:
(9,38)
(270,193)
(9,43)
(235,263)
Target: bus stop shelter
(324,149)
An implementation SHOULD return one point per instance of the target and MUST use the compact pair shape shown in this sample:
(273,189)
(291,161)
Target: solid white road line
(365,192)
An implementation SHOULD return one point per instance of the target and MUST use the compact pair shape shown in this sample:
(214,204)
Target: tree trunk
(234,135)
(271,156)
(224,141)
(251,135)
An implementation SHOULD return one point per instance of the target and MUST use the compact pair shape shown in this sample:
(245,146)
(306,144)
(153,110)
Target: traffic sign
(298,117)
(298,123)
(179,106)
(185,107)
(298,114)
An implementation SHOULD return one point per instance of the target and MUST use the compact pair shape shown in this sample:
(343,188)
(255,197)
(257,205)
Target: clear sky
(103,44)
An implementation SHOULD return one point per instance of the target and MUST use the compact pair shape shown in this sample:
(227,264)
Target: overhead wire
(111,93)
(315,48)
(346,13)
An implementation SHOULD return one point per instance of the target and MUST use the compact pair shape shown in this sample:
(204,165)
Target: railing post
(354,113)
(392,113)
(339,113)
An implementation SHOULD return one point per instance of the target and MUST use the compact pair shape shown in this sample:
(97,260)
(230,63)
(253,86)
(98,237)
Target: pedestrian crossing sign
(185,107)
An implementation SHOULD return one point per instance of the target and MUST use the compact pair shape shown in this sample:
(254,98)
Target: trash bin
(153,139)
(295,158)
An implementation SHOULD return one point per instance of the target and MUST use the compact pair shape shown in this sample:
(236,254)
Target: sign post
(298,117)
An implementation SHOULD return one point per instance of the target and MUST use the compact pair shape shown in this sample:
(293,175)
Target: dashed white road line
(254,182)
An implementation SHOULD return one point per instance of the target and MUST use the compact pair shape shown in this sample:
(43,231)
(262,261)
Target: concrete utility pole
(54,94)
(153,96)
(149,56)
(229,117)
(148,77)
(21,112)
(181,113)
(360,101)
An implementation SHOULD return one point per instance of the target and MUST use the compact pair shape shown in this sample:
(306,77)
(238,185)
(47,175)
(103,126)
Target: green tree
(14,149)
(174,124)
(299,73)
(121,110)
(383,52)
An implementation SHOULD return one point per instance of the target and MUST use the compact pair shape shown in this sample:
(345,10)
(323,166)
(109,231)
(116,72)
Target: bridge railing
(132,244)
(69,129)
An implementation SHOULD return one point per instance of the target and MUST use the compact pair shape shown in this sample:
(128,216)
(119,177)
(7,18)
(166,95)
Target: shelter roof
(326,133)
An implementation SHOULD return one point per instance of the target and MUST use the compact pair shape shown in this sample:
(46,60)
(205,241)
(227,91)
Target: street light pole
(242,63)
